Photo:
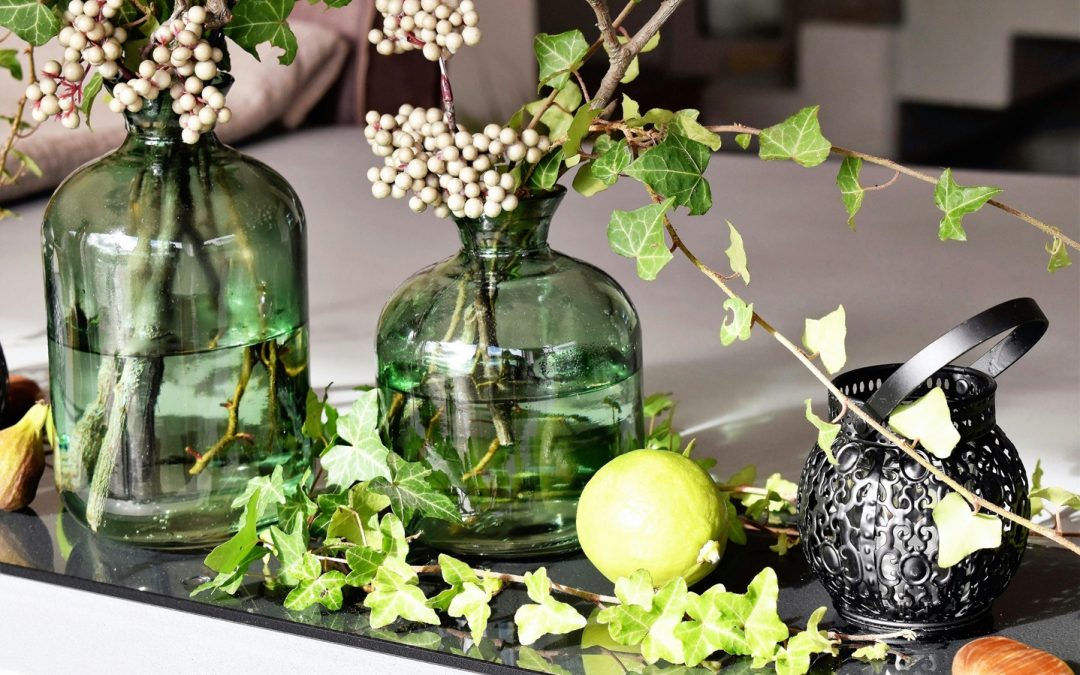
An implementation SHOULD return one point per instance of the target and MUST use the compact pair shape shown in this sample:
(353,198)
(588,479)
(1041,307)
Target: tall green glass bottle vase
(513,369)
(175,278)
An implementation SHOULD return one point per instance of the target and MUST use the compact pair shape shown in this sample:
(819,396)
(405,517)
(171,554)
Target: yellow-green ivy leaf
(9,61)
(764,629)
(1059,255)
(639,234)
(555,118)
(736,326)
(559,55)
(826,336)
(742,140)
(630,108)
(961,532)
(957,201)
(685,122)
(669,605)
(847,179)
(736,254)
(797,138)
(585,181)
(875,652)
(794,659)
(579,129)
(827,432)
(634,69)
(548,615)
(612,158)
(928,421)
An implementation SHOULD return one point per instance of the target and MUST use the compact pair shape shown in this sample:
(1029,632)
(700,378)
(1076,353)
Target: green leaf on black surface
(612,158)
(290,548)
(472,603)
(324,590)
(685,123)
(794,659)
(826,336)
(257,21)
(764,629)
(395,595)
(230,582)
(736,254)
(736,326)
(715,625)
(674,169)
(874,652)
(797,138)
(669,606)
(928,421)
(639,234)
(827,432)
(961,532)
(415,489)
(851,193)
(742,140)
(228,555)
(271,491)
(1059,255)
(530,659)
(548,615)
(559,55)
(9,61)
(957,201)
(35,22)
(363,562)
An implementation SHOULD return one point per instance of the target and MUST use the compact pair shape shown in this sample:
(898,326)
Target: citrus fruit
(654,510)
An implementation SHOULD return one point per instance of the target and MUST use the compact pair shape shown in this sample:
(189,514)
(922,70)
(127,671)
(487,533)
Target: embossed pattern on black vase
(867,522)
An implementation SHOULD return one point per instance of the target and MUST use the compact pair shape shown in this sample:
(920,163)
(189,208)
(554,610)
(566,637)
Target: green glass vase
(176,289)
(514,370)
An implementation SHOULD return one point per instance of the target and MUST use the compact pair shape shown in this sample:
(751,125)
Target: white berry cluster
(183,62)
(90,40)
(460,173)
(436,27)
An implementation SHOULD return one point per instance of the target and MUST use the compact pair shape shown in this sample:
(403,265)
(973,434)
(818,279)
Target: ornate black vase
(866,521)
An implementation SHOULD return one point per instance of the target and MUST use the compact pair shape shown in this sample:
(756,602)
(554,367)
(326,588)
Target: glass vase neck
(523,230)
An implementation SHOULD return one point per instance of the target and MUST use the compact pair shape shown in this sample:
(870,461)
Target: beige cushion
(265,92)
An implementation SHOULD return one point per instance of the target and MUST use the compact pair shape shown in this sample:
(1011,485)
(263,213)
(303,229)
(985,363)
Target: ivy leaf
(669,605)
(90,94)
(1059,255)
(271,491)
(685,123)
(555,117)
(395,595)
(736,254)
(585,181)
(634,68)
(825,336)
(827,432)
(257,21)
(928,421)
(357,521)
(349,464)
(230,582)
(738,325)
(530,659)
(364,563)
(362,421)
(874,652)
(957,201)
(579,129)
(612,158)
(656,404)
(674,169)
(797,138)
(961,532)
(714,626)
(639,234)
(33,21)
(412,491)
(630,108)
(548,616)
(546,172)
(794,659)
(472,603)
(291,551)
(559,55)
(227,556)
(656,117)
(455,572)
(9,61)
(1059,497)
(27,162)
(851,193)
(764,629)
(742,140)
(325,590)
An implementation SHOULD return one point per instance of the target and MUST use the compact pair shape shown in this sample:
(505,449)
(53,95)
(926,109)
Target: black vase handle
(1021,317)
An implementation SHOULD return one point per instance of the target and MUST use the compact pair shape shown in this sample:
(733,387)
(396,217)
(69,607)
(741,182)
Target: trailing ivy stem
(905,634)
(771,529)
(1054,232)
(16,120)
(518,579)
(975,500)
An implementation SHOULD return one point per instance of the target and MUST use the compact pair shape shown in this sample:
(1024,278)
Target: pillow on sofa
(265,92)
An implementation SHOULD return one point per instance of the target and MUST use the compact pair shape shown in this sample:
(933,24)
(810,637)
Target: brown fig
(22,459)
(22,394)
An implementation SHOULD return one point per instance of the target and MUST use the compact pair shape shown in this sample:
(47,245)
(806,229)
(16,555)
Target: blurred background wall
(976,83)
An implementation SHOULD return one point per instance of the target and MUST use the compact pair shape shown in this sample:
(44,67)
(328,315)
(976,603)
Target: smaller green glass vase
(176,289)
(514,370)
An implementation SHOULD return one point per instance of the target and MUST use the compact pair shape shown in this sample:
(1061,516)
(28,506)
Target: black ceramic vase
(866,522)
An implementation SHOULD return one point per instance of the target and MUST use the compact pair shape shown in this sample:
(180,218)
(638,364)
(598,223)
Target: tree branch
(621,59)
(603,22)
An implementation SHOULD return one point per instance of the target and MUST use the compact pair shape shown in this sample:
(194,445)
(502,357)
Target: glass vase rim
(538,206)
(157,119)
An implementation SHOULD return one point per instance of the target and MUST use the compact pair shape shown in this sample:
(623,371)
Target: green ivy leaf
(669,605)
(548,615)
(412,491)
(927,421)
(257,21)
(794,659)
(736,254)
(685,123)
(764,629)
(559,55)
(612,158)
(639,234)
(742,140)
(33,21)
(585,181)
(555,118)
(366,456)
(530,659)
(90,94)
(230,582)
(656,117)
(656,404)
(630,108)
(826,336)
(270,489)
(716,626)
(364,563)
(957,201)
(325,590)
(1059,255)
(291,550)
(827,432)
(547,170)
(472,603)
(738,325)
(229,555)
(674,169)
(851,193)
(783,544)
(27,162)
(579,129)
(961,532)
(395,594)
(875,652)
(634,69)
(1059,497)
(797,138)
(9,61)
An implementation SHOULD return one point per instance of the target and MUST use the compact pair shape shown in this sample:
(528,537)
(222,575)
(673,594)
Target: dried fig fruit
(996,655)
(22,394)
(22,459)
